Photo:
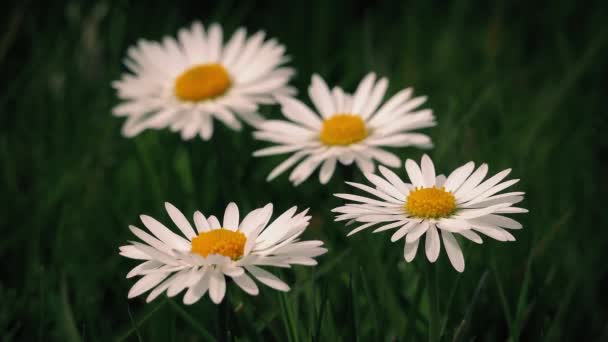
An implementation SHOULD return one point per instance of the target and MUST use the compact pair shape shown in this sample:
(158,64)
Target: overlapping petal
(169,264)
(479,208)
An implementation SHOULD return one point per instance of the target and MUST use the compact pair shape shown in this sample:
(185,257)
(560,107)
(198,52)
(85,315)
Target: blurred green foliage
(514,83)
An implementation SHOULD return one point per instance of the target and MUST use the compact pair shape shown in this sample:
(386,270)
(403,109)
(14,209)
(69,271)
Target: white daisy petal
(305,169)
(472,181)
(144,266)
(132,252)
(440,181)
(409,250)
(414,173)
(154,253)
(492,190)
(365,164)
(249,51)
(267,278)
(360,228)
(428,172)
(417,232)
(384,157)
(509,197)
(231,217)
(487,185)
(150,240)
(499,220)
(164,234)
(363,199)
(388,108)
(146,283)
(402,140)
(474,213)
(180,220)
(453,250)
(196,291)
(179,283)
(160,288)
(510,210)
(321,96)
(299,112)
(458,176)
(247,284)
(217,286)
(453,225)
(233,47)
(327,170)
(390,226)
(402,231)
(375,192)
(214,223)
(495,233)
(214,43)
(471,235)
(206,130)
(361,96)
(251,221)
(432,244)
(375,98)
(395,180)
(232,271)
(201,222)
(385,186)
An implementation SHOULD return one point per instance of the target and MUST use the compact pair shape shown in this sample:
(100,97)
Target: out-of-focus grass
(515,84)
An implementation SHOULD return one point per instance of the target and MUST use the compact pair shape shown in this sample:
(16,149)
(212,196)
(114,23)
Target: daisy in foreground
(348,128)
(187,82)
(200,262)
(463,204)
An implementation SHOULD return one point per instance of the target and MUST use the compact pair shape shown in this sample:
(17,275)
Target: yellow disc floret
(220,241)
(430,203)
(343,129)
(202,82)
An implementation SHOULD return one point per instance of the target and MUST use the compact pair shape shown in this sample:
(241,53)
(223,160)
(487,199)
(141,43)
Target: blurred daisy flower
(185,83)
(463,204)
(348,128)
(201,259)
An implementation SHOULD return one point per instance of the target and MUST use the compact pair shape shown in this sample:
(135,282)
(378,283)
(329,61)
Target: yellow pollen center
(343,129)
(430,203)
(202,82)
(220,241)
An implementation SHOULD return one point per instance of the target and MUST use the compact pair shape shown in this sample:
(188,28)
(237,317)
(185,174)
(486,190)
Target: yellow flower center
(202,82)
(343,129)
(430,203)
(220,241)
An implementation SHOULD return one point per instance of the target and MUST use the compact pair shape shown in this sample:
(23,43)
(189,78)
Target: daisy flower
(346,128)
(187,82)
(201,259)
(461,204)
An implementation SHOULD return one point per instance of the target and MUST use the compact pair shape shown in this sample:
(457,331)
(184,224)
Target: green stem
(222,334)
(434,320)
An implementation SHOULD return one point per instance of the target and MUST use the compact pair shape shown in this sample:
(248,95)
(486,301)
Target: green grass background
(515,83)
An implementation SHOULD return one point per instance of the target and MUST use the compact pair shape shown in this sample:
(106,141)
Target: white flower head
(200,260)
(346,128)
(187,82)
(461,204)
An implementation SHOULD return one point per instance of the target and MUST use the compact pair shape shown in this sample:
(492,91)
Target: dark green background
(517,84)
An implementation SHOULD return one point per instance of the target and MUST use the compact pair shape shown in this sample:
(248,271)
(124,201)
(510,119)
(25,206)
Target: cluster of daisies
(186,84)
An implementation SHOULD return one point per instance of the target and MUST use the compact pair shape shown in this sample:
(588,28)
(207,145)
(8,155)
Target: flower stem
(223,311)
(434,320)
